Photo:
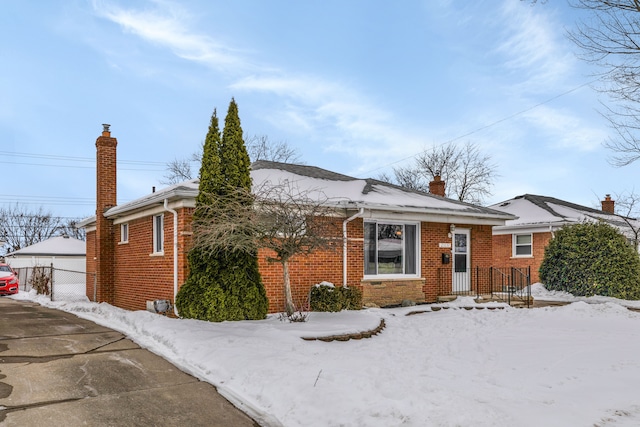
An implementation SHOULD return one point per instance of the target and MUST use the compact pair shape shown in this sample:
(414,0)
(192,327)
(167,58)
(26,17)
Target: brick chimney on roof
(436,187)
(105,199)
(608,205)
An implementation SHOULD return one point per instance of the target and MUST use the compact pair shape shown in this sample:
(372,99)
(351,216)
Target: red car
(8,280)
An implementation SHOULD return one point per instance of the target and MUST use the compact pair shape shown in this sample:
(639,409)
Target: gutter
(344,245)
(175,253)
(443,212)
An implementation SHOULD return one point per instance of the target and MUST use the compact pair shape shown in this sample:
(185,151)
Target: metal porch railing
(506,284)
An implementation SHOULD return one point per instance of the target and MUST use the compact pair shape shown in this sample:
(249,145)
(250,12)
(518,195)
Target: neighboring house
(392,243)
(62,252)
(521,242)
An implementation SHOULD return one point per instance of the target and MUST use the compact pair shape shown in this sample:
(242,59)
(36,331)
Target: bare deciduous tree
(610,39)
(70,228)
(468,173)
(258,147)
(628,207)
(283,218)
(21,227)
(178,170)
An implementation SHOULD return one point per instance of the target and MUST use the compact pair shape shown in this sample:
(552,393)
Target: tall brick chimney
(105,199)
(436,186)
(608,205)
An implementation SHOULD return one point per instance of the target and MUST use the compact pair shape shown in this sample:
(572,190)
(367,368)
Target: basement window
(522,245)
(158,234)
(390,249)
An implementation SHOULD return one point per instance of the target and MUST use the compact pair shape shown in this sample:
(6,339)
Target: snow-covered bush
(591,259)
(326,297)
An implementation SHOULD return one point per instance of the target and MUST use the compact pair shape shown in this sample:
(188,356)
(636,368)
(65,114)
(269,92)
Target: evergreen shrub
(326,297)
(591,259)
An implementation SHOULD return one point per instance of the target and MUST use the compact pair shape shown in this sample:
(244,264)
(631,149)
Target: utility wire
(77,159)
(83,167)
(481,128)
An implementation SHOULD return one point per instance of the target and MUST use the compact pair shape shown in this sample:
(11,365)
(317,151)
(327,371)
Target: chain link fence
(57,283)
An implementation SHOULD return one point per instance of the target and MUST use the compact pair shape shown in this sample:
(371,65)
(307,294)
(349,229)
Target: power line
(481,128)
(83,167)
(77,159)
(90,161)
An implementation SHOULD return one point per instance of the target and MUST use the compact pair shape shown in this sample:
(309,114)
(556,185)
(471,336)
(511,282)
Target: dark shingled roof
(303,170)
(543,203)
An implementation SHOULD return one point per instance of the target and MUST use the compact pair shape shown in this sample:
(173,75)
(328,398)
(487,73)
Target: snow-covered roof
(54,246)
(348,192)
(335,189)
(549,213)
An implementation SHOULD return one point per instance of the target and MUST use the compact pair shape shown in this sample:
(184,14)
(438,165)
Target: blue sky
(357,87)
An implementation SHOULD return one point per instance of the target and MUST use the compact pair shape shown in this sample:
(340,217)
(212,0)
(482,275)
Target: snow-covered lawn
(575,365)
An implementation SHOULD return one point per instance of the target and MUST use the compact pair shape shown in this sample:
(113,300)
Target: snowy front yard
(576,365)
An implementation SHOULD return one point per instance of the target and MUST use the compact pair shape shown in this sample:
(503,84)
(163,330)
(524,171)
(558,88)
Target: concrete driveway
(59,370)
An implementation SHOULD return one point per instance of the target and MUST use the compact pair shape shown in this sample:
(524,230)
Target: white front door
(461,281)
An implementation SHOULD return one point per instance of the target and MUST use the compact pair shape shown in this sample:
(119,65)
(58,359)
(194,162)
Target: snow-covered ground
(575,365)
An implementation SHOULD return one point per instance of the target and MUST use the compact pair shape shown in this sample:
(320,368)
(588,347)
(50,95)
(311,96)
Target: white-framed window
(523,245)
(391,248)
(158,233)
(124,232)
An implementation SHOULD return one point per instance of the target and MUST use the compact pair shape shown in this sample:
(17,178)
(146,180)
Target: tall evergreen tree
(222,284)
(201,296)
(235,163)
(241,277)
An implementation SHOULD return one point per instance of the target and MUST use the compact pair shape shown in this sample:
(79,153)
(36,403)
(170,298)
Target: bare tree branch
(610,39)
(260,148)
(178,170)
(468,173)
(627,205)
(281,217)
(20,227)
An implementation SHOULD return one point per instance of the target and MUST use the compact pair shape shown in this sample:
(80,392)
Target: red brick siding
(91,263)
(503,253)
(105,198)
(141,277)
(437,275)
(306,271)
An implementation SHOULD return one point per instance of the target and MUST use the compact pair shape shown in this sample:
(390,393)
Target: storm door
(461,281)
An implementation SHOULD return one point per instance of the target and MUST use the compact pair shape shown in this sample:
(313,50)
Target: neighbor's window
(522,245)
(124,233)
(390,248)
(158,233)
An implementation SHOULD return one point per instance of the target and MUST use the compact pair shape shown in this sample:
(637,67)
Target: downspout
(344,245)
(175,253)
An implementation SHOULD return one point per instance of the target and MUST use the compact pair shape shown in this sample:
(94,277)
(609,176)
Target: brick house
(393,243)
(521,242)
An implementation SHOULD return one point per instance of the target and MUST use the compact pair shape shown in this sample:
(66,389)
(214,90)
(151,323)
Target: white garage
(63,252)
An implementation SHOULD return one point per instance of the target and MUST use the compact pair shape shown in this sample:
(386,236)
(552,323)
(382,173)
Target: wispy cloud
(349,122)
(565,129)
(166,24)
(534,46)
